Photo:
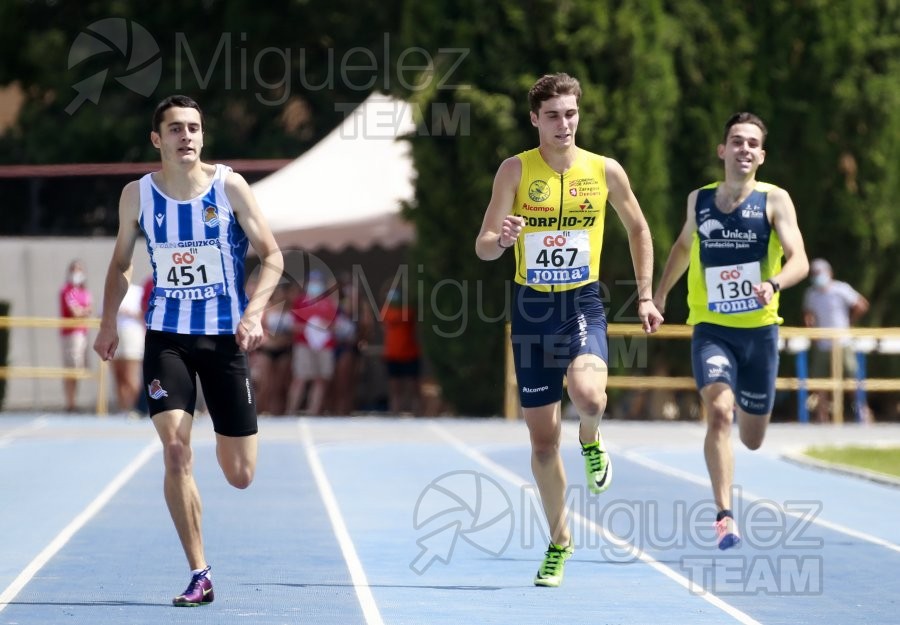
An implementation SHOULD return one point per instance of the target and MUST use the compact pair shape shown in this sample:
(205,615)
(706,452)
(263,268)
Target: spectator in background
(313,358)
(274,355)
(352,331)
(74,302)
(126,364)
(830,303)
(401,352)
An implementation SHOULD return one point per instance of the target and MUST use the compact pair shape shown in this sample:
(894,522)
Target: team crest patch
(539,191)
(156,391)
(210,216)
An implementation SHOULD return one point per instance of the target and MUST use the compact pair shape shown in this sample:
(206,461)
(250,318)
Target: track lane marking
(80,520)
(519,482)
(354,565)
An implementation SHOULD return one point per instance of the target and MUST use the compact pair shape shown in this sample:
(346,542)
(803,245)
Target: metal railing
(59,373)
(872,338)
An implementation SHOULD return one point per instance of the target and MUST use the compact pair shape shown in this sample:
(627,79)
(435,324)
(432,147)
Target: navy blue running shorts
(744,358)
(548,331)
(172,364)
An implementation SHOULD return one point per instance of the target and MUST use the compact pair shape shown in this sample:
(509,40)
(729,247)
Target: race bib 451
(188,270)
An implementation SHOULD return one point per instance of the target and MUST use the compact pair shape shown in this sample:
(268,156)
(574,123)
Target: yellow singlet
(559,248)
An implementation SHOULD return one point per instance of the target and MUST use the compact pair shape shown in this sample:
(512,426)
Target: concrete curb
(822,465)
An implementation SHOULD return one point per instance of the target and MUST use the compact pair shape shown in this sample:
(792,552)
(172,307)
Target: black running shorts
(172,364)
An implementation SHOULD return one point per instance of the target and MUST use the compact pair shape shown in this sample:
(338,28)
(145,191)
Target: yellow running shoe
(551,572)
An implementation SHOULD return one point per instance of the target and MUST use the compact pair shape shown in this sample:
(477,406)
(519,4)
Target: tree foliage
(659,76)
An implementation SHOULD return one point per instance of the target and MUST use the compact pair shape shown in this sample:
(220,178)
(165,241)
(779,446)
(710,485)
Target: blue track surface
(405,521)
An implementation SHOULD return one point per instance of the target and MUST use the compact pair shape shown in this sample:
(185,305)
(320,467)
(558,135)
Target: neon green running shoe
(551,572)
(597,466)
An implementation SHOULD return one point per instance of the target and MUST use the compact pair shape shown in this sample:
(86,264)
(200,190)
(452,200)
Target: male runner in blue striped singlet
(197,220)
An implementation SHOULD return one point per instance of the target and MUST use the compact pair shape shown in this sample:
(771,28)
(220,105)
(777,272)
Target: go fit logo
(558,240)
(730,274)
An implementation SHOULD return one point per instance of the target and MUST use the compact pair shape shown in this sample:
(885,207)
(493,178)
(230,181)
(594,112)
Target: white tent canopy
(346,191)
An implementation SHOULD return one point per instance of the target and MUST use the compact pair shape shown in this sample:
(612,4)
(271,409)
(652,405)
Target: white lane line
(518,481)
(354,565)
(77,523)
(804,515)
(37,423)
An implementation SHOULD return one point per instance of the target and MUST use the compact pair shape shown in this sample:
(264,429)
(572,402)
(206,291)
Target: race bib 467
(557,256)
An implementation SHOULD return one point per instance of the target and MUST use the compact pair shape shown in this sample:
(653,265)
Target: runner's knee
(590,402)
(177,455)
(240,475)
(752,438)
(720,411)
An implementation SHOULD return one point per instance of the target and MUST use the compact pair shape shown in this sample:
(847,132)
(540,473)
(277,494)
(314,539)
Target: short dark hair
(745,118)
(550,86)
(174,101)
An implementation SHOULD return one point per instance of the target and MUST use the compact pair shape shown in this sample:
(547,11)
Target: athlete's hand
(650,316)
(106,342)
(764,292)
(510,230)
(249,334)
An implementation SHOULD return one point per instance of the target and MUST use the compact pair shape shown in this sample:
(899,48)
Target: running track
(372,521)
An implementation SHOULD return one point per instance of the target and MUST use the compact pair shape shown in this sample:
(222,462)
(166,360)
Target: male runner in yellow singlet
(549,204)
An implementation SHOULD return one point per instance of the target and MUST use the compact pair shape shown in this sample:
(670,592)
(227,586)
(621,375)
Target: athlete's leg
(718,402)
(752,428)
(586,378)
(756,386)
(182,496)
(237,457)
(225,378)
(544,426)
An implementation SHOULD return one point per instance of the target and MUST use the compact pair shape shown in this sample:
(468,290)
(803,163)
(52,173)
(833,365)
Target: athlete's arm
(118,276)
(783,216)
(623,201)
(500,229)
(249,215)
(679,256)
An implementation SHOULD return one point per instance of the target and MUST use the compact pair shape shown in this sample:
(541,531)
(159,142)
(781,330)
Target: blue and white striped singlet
(197,249)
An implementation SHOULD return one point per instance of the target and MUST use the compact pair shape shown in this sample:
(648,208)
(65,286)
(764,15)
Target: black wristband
(775,286)
(504,247)
(644,299)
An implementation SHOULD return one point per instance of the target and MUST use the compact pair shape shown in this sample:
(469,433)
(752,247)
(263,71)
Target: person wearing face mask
(315,312)
(74,302)
(830,303)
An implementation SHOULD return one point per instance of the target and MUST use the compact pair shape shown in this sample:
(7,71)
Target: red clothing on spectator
(400,341)
(71,299)
(314,322)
